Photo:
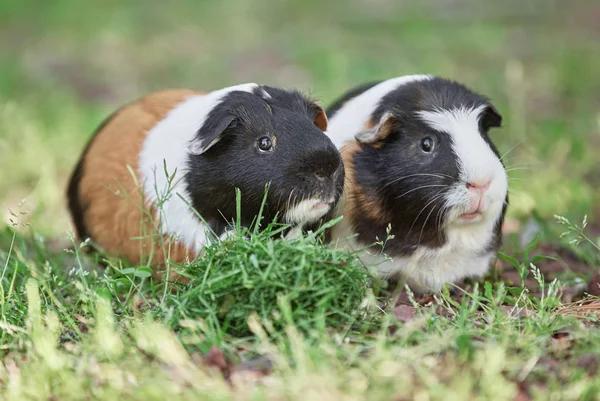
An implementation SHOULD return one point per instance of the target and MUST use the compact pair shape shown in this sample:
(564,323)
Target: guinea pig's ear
(320,119)
(211,132)
(490,118)
(373,133)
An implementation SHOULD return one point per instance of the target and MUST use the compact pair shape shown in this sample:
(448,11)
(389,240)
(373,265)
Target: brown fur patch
(116,215)
(357,202)
(384,131)
(370,124)
(321,120)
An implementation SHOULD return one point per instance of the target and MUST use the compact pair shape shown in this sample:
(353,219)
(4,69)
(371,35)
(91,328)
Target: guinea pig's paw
(293,233)
(228,235)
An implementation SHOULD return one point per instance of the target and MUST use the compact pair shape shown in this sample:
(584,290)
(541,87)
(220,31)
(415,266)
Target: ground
(74,330)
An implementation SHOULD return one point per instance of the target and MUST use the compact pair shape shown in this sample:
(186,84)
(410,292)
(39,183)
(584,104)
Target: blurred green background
(66,64)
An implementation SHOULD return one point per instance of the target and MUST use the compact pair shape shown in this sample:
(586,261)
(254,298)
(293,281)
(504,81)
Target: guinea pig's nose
(479,186)
(321,176)
(322,164)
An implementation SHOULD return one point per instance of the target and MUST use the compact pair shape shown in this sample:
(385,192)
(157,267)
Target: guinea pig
(424,182)
(167,166)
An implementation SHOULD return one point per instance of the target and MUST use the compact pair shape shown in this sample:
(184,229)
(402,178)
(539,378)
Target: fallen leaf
(251,372)
(245,377)
(83,328)
(523,393)
(561,341)
(215,358)
(549,363)
(516,311)
(260,364)
(589,363)
(593,287)
(405,313)
(426,299)
(444,311)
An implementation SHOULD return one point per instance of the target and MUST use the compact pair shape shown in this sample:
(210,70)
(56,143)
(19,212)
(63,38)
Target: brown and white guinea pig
(418,159)
(245,136)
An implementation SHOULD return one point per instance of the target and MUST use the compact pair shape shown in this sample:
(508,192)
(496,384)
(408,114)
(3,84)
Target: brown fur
(115,211)
(321,120)
(357,201)
(384,130)
(370,124)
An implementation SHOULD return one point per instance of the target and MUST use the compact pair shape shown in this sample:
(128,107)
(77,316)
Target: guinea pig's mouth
(472,216)
(474,213)
(308,211)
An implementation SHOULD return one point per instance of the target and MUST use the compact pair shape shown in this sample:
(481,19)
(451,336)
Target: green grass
(71,330)
(241,277)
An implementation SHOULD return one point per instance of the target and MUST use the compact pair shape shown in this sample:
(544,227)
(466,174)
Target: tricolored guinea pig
(421,167)
(155,159)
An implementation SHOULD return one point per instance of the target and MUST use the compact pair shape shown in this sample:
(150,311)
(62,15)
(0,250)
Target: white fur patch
(355,113)
(429,269)
(169,141)
(305,212)
(426,269)
(265,94)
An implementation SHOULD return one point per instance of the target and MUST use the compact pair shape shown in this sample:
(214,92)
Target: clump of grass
(579,241)
(255,271)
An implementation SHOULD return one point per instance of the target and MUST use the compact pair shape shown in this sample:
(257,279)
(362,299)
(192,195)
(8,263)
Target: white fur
(355,113)
(304,212)
(461,256)
(429,269)
(265,94)
(170,141)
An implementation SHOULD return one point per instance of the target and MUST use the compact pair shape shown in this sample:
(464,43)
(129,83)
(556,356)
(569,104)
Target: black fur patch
(301,153)
(496,241)
(291,100)
(407,182)
(389,175)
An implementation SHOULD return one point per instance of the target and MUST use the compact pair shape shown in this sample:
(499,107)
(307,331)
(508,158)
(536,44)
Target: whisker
(438,219)
(515,192)
(424,224)
(517,168)
(511,149)
(528,158)
(290,199)
(421,187)
(435,197)
(278,206)
(436,175)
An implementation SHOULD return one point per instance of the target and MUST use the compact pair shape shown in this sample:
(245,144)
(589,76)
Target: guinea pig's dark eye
(427,145)
(265,143)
